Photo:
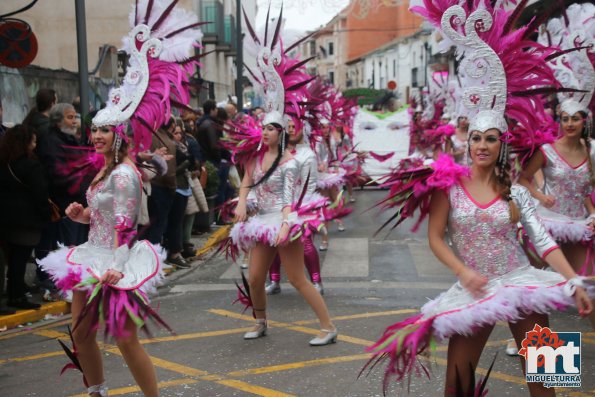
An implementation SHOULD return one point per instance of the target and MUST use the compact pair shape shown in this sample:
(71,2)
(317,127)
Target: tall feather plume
(250,28)
(164,15)
(266,26)
(277,29)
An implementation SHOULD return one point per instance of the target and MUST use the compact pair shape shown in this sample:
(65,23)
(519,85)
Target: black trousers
(17,255)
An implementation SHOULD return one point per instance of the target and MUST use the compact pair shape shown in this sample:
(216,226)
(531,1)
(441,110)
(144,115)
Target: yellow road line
(195,335)
(136,389)
(50,333)
(589,341)
(298,364)
(361,315)
(30,331)
(438,360)
(189,371)
(247,387)
(32,357)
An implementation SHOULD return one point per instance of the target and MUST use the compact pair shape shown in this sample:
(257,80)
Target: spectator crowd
(185,176)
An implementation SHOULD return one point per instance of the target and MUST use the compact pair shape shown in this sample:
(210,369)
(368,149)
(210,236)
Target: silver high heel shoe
(330,337)
(260,331)
(100,389)
(273,288)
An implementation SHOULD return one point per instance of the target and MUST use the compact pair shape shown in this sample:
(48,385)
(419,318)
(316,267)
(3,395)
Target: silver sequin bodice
(112,202)
(569,185)
(278,190)
(483,236)
(306,160)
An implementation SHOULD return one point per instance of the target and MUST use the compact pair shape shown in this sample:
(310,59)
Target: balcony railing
(212,11)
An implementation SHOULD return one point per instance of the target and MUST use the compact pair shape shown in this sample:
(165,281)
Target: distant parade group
(500,165)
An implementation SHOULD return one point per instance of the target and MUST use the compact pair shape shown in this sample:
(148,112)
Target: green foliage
(366,96)
(212,180)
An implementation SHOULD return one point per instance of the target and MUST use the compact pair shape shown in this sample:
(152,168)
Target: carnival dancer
(349,161)
(111,275)
(480,209)
(330,177)
(456,146)
(307,172)
(565,203)
(272,173)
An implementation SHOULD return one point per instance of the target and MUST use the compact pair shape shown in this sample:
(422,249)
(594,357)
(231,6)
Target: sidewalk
(60,310)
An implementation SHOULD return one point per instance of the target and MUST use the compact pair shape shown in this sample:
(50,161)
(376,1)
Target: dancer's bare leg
(138,361)
(462,352)
(88,351)
(261,257)
(334,194)
(292,258)
(519,329)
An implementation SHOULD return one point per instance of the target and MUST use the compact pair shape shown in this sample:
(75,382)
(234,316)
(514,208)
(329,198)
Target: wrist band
(570,286)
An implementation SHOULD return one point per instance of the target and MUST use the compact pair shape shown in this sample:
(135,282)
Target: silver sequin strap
(101,389)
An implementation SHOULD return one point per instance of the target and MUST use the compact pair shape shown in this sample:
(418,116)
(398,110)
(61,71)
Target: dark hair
(222,115)
(44,99)
(282,136)
(15,143)
(209,105)
(167,125)
(585,135)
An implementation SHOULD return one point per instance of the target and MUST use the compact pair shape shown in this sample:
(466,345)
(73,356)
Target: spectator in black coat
(24,207)
(54,150)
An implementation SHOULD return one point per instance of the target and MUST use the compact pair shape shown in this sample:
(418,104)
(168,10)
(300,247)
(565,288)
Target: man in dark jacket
(38,118)
(163,188)
(53,151)
(209,132)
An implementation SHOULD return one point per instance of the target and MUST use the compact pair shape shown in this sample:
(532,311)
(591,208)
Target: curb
(31,316)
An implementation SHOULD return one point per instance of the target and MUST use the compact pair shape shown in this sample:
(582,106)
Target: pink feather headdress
(160,46)
(506,75)
(282,81)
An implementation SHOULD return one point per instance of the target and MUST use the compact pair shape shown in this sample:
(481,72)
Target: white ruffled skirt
(327,180)
(141,266)
(508,298)
(563,228)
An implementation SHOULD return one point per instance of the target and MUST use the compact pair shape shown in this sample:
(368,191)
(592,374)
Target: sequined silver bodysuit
(569,185)
(278,190)
(306,160)
(114,205)
(484,237)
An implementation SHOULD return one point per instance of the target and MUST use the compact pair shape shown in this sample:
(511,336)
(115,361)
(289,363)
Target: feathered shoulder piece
(411,185)
(243,139)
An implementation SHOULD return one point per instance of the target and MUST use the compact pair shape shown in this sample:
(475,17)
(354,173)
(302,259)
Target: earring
(283,144)
(116,146)
(259,145)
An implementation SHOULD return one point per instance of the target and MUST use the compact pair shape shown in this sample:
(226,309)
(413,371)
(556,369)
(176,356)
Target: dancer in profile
(111,275)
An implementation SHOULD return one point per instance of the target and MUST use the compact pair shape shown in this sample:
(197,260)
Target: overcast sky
(301,15)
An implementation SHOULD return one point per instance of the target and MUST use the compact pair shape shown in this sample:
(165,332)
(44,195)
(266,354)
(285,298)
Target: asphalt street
(370,283)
